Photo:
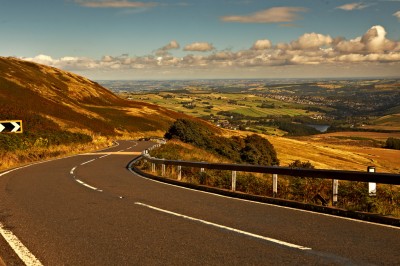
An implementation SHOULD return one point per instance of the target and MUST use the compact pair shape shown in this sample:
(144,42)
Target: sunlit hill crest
(47,98)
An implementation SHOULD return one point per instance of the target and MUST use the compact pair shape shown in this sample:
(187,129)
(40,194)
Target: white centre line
(86,185)
(276,241)
(104,156)
(88,162)
(23,253)
(72,170)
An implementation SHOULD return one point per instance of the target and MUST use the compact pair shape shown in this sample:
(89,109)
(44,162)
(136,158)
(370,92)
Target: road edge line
(254,199)
(231,229)
(19,248)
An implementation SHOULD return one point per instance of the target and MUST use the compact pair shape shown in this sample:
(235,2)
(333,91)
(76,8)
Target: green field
(206,104)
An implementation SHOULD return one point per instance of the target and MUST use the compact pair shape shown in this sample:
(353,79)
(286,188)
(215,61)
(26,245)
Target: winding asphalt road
(90,210)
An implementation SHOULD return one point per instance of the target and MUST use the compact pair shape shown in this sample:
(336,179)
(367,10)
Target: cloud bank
(114,4)
(271,15)
(199,47)
(353,6)
(310,49)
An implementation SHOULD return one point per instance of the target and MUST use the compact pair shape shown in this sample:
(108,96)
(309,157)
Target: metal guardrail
(370,176)
(381,178)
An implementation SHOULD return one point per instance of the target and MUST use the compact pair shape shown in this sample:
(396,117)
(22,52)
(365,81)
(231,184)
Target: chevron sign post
(13,126)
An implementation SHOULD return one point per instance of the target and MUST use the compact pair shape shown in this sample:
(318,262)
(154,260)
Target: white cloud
(199,47)
(115,4)
(311,41)
(271,15)
(397,15)
(308,50)
(172,45)
(353,45)
(261,45)
(375,40)
(353,6)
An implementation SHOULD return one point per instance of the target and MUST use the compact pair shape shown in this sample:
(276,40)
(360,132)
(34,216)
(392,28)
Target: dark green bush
(393,143)
(252,149)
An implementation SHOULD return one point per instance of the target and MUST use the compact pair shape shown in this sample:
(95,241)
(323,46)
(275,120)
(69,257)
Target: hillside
(64,113)
(48,99)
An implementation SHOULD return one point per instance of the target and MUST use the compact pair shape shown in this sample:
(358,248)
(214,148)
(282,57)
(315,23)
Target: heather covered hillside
(63,113)
(46,98)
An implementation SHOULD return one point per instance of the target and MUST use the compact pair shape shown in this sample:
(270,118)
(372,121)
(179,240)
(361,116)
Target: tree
(258,150)
(252,149)
(393,143)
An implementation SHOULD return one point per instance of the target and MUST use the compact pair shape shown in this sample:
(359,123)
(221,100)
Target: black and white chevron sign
(14,126)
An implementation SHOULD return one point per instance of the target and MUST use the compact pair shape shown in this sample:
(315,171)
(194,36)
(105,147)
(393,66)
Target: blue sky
(182,39)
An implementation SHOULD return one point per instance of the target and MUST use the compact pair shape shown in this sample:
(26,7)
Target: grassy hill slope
(46,98)
(59,108)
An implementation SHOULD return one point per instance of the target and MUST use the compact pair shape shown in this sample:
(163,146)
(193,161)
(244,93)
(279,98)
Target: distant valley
(359,115)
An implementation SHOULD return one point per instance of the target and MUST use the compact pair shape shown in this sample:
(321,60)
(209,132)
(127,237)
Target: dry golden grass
(371,135)
(188,152)
(324,155)
(20,157)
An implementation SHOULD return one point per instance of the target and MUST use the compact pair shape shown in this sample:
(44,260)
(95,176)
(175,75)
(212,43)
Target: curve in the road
(136,221)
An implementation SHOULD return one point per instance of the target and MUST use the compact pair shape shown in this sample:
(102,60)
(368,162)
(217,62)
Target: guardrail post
(179,173)
(153,167)
(274,185)
(371,186)
(233,180)
(163,169)
(335,189)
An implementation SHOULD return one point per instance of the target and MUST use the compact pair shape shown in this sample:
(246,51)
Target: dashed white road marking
(104,156)
(19,248)
(23,253)
(276,241)
(72,170)
(86,185)
(88,162)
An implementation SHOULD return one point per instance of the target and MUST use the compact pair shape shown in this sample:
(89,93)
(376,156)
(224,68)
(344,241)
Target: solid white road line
(276,241)
(269,204)
(23,253)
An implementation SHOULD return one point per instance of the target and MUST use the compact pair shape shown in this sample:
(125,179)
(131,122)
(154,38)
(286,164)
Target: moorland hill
(49,99)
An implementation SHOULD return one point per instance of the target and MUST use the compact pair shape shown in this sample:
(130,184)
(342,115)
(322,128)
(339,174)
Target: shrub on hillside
(13,142)
(258,150)
(393,143)
(252,149)
(305,189)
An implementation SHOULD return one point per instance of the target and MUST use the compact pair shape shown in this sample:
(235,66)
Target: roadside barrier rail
(381,178)
(370,176)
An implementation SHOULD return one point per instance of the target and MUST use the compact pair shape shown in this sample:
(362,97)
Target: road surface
(90,210)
